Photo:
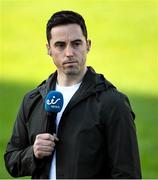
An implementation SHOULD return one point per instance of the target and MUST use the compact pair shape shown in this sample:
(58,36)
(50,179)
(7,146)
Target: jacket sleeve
(121,139)
(19,158)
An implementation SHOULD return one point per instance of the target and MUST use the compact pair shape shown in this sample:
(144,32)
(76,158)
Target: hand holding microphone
(44,143)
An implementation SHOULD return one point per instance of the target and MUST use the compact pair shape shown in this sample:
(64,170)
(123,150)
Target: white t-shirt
(68,92)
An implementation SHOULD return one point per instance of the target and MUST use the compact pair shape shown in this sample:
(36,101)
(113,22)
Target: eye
(76,44)
(60,45)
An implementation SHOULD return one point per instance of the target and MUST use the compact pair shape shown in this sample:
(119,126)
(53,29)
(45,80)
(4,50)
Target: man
(95,135)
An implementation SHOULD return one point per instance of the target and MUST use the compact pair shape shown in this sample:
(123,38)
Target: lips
(70,62)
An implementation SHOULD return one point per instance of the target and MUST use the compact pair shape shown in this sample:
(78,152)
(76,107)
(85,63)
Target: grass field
(124,36)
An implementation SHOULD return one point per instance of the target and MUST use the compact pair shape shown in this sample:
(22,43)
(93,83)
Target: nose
(69,51)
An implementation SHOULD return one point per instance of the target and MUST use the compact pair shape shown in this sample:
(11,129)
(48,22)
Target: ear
(88,45)
(48,50)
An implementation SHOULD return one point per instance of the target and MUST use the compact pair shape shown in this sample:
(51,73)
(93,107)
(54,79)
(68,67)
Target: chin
(72,71)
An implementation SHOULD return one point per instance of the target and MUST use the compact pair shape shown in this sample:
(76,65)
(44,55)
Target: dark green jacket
(97,136)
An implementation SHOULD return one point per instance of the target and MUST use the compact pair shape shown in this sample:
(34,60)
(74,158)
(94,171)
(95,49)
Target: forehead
(66,32)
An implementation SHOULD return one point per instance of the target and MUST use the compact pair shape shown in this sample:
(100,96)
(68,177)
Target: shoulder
(35,93)
(113,96)
(32,94)
(114,101)
(29,101)
(32,97)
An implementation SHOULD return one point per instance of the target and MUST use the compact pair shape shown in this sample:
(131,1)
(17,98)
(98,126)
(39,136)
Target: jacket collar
(92,83)
(48,85)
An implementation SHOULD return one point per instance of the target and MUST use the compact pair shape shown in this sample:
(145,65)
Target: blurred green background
(124,36)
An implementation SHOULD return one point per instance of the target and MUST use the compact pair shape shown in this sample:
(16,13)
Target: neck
(69,80)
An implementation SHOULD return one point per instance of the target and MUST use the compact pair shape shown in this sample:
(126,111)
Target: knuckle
(37,148)
(38,136)
(49,136)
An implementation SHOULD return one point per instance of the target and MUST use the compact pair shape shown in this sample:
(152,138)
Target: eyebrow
(59,42)
(76,40)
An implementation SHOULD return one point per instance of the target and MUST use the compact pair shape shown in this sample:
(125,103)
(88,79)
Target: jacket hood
(91,83)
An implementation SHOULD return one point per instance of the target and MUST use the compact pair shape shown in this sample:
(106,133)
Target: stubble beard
(72,71)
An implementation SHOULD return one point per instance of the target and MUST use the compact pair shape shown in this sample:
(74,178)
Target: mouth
(70,62)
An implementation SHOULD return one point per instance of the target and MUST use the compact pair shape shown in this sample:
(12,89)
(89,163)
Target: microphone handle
(51,123)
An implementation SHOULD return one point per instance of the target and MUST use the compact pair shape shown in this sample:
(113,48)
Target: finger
(41,154)
(42,150)
(55,137)
(45,136)
(46,148)
(41,142)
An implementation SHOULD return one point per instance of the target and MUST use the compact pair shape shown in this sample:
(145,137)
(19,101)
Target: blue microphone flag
(54,101)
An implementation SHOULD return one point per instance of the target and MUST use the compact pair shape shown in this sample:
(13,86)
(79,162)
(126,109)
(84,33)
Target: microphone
(53,104)
(54,101)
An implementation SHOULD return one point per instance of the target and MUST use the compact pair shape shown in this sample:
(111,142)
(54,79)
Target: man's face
(68,48)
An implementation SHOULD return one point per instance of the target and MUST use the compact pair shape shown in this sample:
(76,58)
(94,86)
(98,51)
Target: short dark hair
(63,18)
